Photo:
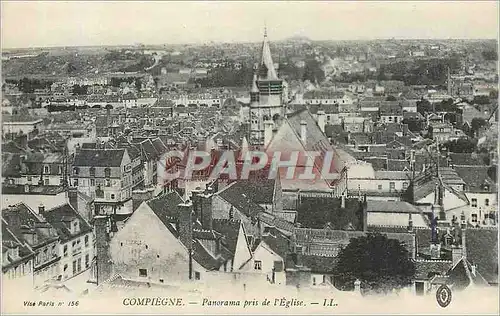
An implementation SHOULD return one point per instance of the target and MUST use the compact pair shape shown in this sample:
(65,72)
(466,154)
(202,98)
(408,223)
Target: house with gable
(39,236)
(183,242)
(76,240)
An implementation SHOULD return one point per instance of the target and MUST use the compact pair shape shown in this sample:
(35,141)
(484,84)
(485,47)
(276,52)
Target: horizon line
(137,44)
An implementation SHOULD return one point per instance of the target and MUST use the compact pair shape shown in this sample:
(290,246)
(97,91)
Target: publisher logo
(443,296)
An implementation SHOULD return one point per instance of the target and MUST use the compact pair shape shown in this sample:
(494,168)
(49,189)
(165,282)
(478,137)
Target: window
(75,182)
(92,182)
(76,170)
(474,202)
(112,196)
(28,178)
(405,185)
(87,260)
(65,267)
(46,181)
(79,265)
(46,169)
(486,202)
(107,172)
(74,267)
(392,186)
(65,251)
(59,170)
(143,272)
(86,241)
(92,171)
(257,265)
(197,275)
(380,187)
(161,280)
(107,182)
(474,218)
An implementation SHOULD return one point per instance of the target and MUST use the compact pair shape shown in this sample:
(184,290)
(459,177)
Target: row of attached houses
(44,246)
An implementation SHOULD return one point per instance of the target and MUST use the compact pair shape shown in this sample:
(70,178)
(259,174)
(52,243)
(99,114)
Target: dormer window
(46,169)
(76,170)
(92,171)
(107,172)
(75,227)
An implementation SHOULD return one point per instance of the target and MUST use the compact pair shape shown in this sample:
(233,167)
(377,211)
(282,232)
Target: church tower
(266,96)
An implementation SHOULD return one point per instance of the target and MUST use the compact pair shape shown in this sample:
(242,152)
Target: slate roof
(9,240)
(315,212)
(32,223)
(259,191)
(476,178)
(426,269)
(466,159)
(391,207)
(230,230)
(482,250)
(240,199)
(319,264)
(61,217)
(277,241)
(99,157)
(11,165)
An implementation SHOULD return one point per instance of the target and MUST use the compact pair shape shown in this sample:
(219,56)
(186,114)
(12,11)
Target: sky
(75,23)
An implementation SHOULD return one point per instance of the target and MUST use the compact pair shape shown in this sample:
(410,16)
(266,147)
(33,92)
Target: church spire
(267,70)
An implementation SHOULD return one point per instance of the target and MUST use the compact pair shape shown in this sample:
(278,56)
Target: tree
(424,106)
(380,263)
(461,145)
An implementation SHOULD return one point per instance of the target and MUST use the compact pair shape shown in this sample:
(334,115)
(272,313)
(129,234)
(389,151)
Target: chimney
(342,200)
(41,210)
(196,200)
(321,120)
(268,132)
(410,223)
(298,255)
(103,255)
(303,131)
(463,223)
(206,211)
(186,224)
(435,251)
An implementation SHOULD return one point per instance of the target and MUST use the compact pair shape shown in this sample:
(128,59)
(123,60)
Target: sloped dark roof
(314,212)
(31,222)
(277,241)
(11,165)
(425,269)
(240,199)
(467,159)
(482,250)
(259,191)
(99,157)
(9,240)
(60,218)
(230,230)
(391,207)
(476,178)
